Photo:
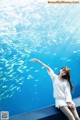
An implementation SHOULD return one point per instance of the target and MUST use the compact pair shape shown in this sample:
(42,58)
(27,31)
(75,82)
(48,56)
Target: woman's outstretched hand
(34,60)
(44,65)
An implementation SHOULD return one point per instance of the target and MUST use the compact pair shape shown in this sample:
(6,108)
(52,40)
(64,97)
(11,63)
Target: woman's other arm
(68,96)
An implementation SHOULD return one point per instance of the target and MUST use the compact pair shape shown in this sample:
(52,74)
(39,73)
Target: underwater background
(36,29)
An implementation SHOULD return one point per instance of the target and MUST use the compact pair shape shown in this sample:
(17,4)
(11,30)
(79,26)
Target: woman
(62,95)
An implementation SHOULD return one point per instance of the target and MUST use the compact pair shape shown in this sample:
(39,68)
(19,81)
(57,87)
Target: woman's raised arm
(44,65)
(50,71)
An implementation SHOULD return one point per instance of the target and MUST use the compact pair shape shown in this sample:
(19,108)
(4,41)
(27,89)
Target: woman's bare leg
(75,114)
(67,112)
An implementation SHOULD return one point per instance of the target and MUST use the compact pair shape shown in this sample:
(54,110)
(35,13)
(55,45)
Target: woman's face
(63,71)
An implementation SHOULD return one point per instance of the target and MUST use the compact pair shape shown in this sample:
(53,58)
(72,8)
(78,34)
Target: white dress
(61,92)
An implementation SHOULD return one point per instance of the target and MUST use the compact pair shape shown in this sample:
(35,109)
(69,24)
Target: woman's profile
(62,86)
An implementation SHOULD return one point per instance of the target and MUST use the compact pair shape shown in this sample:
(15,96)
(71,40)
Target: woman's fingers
(72,107)
(34,60)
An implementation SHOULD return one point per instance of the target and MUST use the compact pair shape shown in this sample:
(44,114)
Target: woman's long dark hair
(67,77)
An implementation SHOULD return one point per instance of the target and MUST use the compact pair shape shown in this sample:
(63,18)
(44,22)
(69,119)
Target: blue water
(50,33)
